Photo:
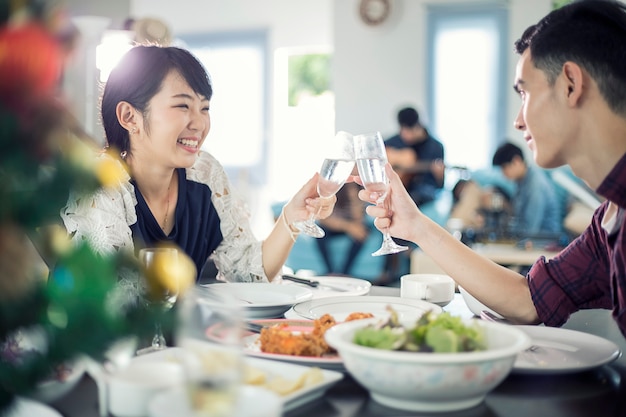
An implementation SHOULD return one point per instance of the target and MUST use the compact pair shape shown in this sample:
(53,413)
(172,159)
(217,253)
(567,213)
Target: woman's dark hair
(138,77)
(591,33)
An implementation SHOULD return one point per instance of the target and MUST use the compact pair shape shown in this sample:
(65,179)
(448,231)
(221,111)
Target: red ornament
(30,61)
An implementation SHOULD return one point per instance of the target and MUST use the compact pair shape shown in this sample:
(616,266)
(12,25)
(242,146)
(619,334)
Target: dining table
(596,392)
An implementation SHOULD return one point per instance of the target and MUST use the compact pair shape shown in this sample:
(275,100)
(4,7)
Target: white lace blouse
(103,219)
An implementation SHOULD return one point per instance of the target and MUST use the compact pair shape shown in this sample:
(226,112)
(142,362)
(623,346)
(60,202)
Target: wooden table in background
(507,254)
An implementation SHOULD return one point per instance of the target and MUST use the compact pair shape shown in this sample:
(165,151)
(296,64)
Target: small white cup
(131,389)
(434,288)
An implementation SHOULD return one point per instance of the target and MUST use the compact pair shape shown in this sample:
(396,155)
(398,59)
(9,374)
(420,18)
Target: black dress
(196,222)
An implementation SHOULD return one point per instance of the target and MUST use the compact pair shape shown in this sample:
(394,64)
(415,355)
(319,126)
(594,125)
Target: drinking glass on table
(371,157)
(157,262)
(209,330)
(336,168)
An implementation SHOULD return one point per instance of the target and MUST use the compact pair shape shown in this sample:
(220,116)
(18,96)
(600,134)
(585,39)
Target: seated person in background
(417,156)
(155,113)
(535,205)
(479,207)
(348,219)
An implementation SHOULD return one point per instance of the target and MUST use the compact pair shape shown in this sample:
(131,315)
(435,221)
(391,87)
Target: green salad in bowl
(439,333)
(434,363)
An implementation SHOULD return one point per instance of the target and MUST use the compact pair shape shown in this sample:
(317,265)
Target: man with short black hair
(417,156)
(535,206)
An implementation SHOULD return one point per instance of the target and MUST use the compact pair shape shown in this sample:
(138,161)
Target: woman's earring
(123,154)
(133,130)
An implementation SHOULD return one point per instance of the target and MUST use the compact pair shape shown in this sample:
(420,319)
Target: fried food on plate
(278,339)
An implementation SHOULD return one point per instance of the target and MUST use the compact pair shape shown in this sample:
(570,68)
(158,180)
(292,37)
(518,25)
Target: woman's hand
(307,201)
(398,213)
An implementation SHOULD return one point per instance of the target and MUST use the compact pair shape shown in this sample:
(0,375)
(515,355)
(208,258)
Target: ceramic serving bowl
(429,382)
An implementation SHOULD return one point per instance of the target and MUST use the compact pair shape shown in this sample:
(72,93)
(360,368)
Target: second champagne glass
(336,168)
(155,261)
(371,157)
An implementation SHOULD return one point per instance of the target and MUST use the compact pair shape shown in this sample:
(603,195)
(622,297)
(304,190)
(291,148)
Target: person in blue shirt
(535,205)
(155,113)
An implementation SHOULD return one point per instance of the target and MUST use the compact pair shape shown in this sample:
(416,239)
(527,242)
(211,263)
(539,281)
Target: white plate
(177,406)
(24,407)
(253,402)
(332,286)
(293,371)
(252,348)
(262,300)
(341,307)
(560,351)
(286,370)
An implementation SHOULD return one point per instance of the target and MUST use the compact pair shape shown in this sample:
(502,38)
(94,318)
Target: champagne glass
(157,262)
(371,157)
(336,168)
(209,330)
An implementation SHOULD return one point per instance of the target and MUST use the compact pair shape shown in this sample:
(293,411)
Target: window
(467,81)
(305,117)
(236,64)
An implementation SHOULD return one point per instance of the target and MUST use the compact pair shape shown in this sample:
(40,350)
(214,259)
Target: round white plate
(333,286)
(341,307)
(253,402)
(559,351)
(252,347)
(24,407)
(262,300)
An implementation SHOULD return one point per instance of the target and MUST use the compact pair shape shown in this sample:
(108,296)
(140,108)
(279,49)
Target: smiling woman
(155,112)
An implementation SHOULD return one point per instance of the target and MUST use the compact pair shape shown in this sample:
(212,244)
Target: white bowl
(429,382)
(474,305)
(50,390)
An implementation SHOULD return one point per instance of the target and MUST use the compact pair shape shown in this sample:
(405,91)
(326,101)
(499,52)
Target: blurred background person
(535,206)
(479,212)
(417,157)
(347,220)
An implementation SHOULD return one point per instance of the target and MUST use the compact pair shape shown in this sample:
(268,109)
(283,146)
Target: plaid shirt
(591,271)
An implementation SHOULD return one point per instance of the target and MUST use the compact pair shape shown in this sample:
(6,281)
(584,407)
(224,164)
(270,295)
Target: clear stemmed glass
(336,168)
(371,157)
(155,262)
(209,329)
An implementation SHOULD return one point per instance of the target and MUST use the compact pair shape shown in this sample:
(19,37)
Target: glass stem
(158,341)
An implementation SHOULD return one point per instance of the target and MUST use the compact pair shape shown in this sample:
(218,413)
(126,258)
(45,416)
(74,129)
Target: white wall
(379,69)
(375,69)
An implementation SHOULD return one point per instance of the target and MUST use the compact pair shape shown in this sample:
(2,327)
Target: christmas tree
(42,156)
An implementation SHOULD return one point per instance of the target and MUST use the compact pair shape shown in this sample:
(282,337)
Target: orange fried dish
(277,339)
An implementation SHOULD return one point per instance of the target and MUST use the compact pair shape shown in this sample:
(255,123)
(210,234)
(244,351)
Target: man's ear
(573,80)
(127,116)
